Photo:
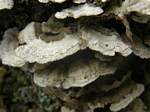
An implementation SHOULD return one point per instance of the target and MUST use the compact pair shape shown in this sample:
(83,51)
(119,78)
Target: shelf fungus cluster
(79,59)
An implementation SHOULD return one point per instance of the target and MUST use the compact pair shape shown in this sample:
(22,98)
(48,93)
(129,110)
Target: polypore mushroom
(139,88)
(140,6)
(123,95)
(37,50)
(142,9)
(66,109)
(76,58)
(84,72)
(79,1)
(31,32)
(56,1)
(119,13)
(78,74)
(138,48)
(128,6)
(42,52)
(136,105)
(79,11)
(53,25)
(140,18)
(106,45)
(103,83)
(7,48)
(102,57)
(44,1)
(6,4)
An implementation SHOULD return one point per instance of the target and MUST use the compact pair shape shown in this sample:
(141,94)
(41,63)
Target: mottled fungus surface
(6,4)
(77,53)
(78,74)
(55,1)
(79,11)
(7,48)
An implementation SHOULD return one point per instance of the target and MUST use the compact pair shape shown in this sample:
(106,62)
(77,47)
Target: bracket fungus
(6,4)
(121,13)
(140,6)
(136,106)
(37,50)
(79,11)
(104,83)
(138,47)
(139,88)
(79,73)
(79,1)
(7,48)
(53,25)
(121,96)
(55,1)
(77,53)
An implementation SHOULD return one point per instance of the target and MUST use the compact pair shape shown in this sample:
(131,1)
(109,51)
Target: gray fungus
(80,64)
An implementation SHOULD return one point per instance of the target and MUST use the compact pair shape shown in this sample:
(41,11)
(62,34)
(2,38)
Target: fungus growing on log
(121,96)
(78,52)
(79,11)
(79,73)
(79,1)
(55,1)
(7,48)
(140,6)
(138,48)
(37,50)
(6,4)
